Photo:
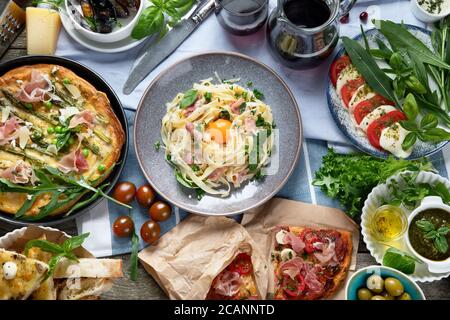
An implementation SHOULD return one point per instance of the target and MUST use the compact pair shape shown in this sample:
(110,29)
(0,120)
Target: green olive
(393,286)
(386,295)
(404,296)
(378,297)
(364,294)
(375,283)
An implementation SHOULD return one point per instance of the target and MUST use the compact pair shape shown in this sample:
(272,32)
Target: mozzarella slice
(375,114)
(349,73)
(281,236)
(287,254)
(363,93)
(391,140)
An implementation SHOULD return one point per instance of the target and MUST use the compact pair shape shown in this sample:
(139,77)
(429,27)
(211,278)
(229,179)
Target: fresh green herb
(29,106)
(157,145)
(242,107)
(224,114)
(249,84)
(58,251)
(188,99)
(261,122)
(208,96)
(195,168)
(134,256)
(350,178)
(153,18)
(437,236)
(258,94)
(400,260)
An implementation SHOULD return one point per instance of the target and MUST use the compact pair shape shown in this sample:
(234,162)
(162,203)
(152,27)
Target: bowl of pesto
(428,235)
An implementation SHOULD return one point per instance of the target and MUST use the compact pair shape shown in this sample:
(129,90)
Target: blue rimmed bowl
(359,278)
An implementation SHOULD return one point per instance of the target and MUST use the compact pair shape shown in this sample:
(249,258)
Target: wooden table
(145,287)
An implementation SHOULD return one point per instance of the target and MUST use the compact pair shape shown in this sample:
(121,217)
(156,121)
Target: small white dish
(429,203)
(377,248)
(118,33)
(113,47)
(425,16)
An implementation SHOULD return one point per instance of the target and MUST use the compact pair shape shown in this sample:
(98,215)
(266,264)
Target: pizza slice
(19,275)
(235,282)
(308,263)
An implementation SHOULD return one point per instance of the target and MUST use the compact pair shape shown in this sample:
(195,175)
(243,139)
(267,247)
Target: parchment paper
(186,260)
(277,212)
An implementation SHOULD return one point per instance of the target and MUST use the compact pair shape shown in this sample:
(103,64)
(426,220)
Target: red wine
(241,6)
(307,13)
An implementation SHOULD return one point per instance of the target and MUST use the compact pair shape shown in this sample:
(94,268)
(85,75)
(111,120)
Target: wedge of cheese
(43,26)
(23,276)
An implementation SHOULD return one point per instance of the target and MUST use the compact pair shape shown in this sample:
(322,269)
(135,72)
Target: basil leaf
(44,245)
(414,84)
(188,99)
(429,121)
(436,135)
(409,125)
(52,264)
(369,69)
(399,260)
(74,242)
(441,244)
(158,3)
(442,191)
(396,62)
(177,3)
(425,225)
(443,230)
(410,107)
(409,141)
(377,53)
(431,235)
(151,21)
(400,38)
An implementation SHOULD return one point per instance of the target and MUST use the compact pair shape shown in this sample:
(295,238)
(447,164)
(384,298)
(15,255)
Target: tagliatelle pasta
(217,136)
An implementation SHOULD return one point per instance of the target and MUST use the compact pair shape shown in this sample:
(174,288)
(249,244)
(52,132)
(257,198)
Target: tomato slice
(365,107)
(293,287)
(337,66)
(349,89)
(242,264)
(310,238)
(375,128)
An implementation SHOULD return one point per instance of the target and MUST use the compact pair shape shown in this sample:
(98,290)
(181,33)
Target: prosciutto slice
(293,267)
(36,89)
(327,251)
(9,131)
(216,174)
(296,242)
(20,173)
(250,125)
(83,118)
(235,106)
(227,284)
(74,161)
(312,281)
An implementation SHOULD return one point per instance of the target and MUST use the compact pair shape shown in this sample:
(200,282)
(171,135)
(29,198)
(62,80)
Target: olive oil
(388,223)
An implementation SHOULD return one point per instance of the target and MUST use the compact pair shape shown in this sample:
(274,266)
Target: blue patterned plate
(342,117)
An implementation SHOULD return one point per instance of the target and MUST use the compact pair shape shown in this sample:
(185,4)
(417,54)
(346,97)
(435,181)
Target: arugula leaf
(134,256)
(369,69)
(400,38)
(188,99)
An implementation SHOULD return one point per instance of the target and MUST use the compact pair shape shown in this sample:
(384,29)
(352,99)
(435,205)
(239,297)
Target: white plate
(377,249)
(119,46)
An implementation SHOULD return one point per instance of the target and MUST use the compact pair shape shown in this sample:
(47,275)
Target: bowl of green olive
(382,283)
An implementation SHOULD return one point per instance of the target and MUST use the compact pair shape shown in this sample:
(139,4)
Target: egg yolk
(219,130)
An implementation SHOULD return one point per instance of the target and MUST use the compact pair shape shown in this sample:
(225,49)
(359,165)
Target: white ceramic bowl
(429,203)
(118,33)
(424,16)
(375,247)
(10,238)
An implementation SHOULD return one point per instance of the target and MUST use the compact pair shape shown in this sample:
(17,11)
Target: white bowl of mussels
(104,21)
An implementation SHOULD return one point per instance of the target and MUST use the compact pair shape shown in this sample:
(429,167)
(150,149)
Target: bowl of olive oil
(388,223)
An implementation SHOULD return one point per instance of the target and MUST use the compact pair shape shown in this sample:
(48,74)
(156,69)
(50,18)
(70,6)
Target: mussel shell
(86,8)
(105,15)
(121,11)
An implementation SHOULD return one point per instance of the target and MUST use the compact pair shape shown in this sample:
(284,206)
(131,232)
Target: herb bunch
(437,236)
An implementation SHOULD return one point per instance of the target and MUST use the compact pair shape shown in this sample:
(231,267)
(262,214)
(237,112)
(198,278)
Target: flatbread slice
(309,263)
(88,268)
(82,289)
(29,275)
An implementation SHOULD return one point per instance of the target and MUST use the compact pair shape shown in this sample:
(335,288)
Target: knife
(159,51)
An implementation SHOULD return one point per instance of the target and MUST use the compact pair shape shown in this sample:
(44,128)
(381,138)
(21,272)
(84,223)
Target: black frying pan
(101,85)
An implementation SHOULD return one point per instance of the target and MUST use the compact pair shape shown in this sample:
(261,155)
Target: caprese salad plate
(369,120)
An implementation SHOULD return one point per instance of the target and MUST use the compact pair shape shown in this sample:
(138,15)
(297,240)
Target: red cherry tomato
(242,264)
(124,192)
(375,128)
(337,66)
(150,231)
(160,211)
(349,89)
(309,238)
(123,226)
(365,107)
(293,287)
(145,195)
